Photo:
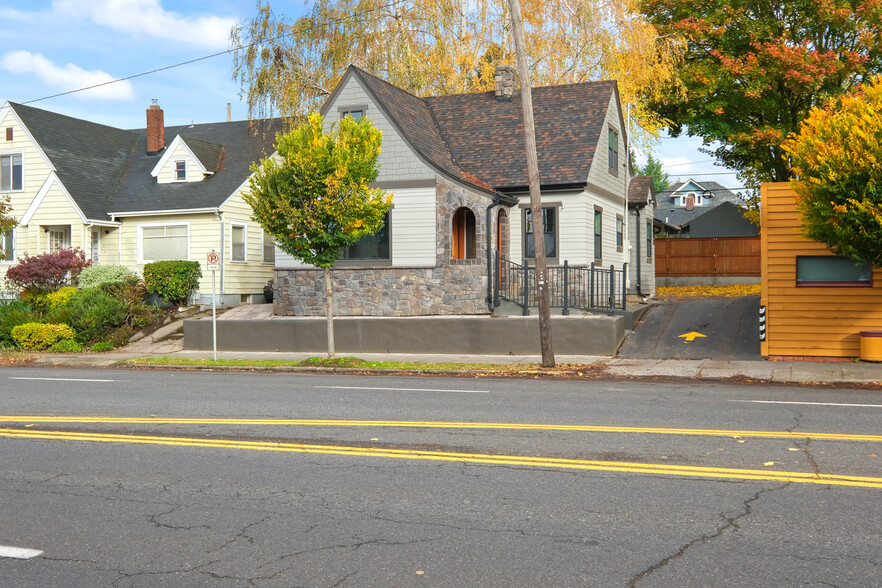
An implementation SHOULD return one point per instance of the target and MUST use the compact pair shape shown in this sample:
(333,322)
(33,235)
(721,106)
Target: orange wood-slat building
(808,320)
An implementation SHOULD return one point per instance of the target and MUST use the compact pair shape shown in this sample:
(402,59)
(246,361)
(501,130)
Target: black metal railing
(585,288)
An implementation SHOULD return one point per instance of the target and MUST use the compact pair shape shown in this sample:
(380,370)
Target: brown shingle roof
(486,135)
(639,190)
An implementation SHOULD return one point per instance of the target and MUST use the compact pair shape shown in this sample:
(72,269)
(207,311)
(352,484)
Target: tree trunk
(517,27)
(329,311)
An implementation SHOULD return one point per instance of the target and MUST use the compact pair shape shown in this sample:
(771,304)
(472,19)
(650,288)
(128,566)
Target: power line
(188,62)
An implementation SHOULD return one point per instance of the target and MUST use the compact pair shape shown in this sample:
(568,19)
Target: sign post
(213,265)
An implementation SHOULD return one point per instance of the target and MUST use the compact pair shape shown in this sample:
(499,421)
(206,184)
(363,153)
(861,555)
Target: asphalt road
(730,329)
(394,481)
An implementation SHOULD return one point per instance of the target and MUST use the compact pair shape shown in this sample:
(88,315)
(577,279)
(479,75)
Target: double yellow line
(475,458)
(443,425)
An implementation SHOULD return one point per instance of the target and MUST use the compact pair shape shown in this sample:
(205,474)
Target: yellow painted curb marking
(577,464)
(442,425)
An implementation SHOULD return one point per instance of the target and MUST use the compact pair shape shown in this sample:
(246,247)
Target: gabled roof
(479,140)
(678,215)
(89,158)
(486,135)
(241,146)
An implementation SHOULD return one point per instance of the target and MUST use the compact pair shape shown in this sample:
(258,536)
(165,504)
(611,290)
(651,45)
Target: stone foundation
(383,292)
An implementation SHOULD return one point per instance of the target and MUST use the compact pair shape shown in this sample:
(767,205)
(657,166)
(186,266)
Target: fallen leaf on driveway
(769,463)
(793,448)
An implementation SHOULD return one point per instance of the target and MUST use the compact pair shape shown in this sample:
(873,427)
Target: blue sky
(52,46)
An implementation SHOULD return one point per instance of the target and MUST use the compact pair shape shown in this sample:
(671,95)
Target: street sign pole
(213,264)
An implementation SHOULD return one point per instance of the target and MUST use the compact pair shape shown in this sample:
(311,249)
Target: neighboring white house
(457,168)
(641,208)
(129,197)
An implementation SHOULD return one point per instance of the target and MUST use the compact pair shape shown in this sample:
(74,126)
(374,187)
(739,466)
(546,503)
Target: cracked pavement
(133,515)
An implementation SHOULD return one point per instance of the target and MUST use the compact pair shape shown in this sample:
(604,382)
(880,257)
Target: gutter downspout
(119,240)
(637,228)
(223,258)
(492,205)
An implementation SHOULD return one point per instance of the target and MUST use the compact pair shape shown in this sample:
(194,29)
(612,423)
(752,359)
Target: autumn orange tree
(440,47)
(753,70)
(313,195)
(837,156)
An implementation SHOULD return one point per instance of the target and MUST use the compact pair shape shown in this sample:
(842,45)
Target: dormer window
(356,112)
(181,171)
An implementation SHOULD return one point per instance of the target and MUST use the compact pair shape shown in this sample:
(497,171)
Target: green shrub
(66,346)
(120,336)
(37,299)
(12,314)
(40,335)
(61,297)
(94,313)
(98,275)
(102,346)
(173,280)
(131,291)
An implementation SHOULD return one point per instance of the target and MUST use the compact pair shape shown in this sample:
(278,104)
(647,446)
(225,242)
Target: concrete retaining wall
(472,335)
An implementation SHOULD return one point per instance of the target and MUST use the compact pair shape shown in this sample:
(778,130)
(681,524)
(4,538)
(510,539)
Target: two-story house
(457,168)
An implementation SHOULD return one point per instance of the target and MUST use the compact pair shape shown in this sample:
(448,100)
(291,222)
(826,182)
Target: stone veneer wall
(453,287)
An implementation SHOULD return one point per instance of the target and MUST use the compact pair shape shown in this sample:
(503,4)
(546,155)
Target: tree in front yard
(837,156)
(313,195)
(7,222)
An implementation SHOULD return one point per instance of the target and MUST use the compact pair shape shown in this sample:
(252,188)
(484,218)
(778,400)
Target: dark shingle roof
(236,141)
(639,190)
(89,158)
(208,153)
(414,118)
(486,135)
(678,215)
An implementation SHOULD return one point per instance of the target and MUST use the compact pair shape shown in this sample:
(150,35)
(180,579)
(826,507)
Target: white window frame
(143,226)
(8,259)
(95,246)
(175,177)
(263,246)
(244,228)
(11,153)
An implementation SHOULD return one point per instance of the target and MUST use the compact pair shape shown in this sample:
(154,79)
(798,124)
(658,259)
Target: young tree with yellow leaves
(837,156)
(441,47)
(314,197)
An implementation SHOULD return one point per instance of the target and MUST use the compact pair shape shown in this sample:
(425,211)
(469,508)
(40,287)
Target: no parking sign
(213,261)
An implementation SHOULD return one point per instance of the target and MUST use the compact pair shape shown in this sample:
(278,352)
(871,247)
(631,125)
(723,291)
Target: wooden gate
(707,257)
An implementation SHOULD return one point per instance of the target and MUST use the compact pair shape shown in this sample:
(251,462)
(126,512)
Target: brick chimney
(155,129)
(690,201)
(504,76)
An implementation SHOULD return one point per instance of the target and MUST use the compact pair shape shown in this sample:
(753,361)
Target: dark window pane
(549,226)
(828,269)
(374,246)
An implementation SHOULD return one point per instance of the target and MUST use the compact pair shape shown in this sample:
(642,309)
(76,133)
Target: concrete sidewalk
(166,341)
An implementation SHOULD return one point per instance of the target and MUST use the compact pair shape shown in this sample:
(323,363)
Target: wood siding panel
(807,320)
(240,278)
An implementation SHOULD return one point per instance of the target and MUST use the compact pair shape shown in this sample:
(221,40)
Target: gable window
(549,227)
(356,113)
(828,270)
(370,247)
(613,151)
(463,229)
(9,133)
(10,172)
(598,233)
(269,248)
(237,240)
(620,234)
(181,171)
(164,242)
(8,253)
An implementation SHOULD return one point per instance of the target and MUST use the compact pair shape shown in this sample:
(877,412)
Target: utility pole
(517,28)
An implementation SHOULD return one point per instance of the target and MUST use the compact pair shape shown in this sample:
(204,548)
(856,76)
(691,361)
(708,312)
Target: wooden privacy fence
(707,256)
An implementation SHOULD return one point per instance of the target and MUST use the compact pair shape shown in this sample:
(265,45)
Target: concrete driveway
(730,327)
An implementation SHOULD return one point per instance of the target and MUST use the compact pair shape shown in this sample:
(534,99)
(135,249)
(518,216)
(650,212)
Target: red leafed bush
(48,271)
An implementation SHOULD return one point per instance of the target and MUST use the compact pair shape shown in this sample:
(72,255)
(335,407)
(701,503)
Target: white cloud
(68,77)
(147,17)
(7,14)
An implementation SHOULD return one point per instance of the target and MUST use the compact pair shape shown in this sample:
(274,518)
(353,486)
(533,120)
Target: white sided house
(459,234)
(132,197)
